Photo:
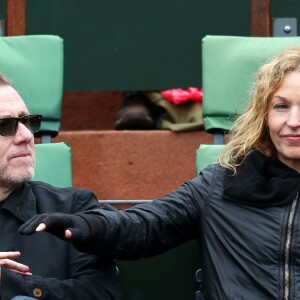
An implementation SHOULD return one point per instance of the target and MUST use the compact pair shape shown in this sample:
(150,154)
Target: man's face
(16,152)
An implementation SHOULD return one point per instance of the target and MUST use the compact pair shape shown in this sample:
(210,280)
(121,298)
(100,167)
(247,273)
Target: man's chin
(18,177)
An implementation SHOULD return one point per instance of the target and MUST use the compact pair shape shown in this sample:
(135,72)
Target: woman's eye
(280,106)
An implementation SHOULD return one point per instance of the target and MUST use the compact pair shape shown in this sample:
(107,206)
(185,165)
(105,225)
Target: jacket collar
(21,203)
(261,182)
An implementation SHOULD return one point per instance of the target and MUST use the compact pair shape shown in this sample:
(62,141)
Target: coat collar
(261,182)
(21,203)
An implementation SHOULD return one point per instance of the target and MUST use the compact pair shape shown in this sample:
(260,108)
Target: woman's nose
(294,118)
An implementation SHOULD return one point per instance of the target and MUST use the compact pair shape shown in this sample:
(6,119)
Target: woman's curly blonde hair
(250,130)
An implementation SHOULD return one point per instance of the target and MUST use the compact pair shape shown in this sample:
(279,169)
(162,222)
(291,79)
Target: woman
(244,210)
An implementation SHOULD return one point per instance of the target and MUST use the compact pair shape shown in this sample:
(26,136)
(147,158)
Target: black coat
(248,236)
(59,270)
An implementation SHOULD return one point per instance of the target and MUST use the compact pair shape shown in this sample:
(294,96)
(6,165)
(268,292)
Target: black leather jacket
(248,251)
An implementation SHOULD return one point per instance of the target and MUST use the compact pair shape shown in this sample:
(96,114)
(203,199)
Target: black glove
(57,223)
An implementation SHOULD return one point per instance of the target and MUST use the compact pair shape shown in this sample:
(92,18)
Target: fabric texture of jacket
(59,270)
(249,236)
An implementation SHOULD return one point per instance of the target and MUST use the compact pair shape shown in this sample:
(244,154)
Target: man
(47,267)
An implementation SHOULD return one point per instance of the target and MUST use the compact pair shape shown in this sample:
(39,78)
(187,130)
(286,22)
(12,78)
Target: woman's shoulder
(209,180)
(212,171)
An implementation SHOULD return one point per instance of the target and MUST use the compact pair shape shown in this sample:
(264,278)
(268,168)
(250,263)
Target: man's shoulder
(61,196)
(46,187)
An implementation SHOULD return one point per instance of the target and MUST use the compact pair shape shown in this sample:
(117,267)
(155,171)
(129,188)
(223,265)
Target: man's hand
(7,262)
(64,226)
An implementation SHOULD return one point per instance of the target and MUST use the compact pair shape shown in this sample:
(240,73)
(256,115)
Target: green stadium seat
(207,154)
(53,164)
(229,65)
(34,64)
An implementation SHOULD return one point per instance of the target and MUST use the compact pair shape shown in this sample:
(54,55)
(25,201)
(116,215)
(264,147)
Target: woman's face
(283,120)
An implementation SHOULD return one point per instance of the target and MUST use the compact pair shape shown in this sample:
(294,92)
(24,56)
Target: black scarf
(261,182)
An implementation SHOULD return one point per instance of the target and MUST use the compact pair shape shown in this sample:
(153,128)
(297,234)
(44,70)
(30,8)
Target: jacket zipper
(287,249)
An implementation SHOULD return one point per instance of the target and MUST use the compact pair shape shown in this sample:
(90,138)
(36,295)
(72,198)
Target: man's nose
(23,134)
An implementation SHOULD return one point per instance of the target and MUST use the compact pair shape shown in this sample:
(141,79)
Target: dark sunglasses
(9,126)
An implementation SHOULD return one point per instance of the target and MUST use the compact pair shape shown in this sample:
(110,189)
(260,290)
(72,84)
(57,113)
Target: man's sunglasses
(9,126)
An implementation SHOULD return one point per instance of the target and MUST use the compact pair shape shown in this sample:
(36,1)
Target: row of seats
(35,66)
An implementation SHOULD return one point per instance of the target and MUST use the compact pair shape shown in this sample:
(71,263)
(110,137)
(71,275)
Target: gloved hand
(57,224)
